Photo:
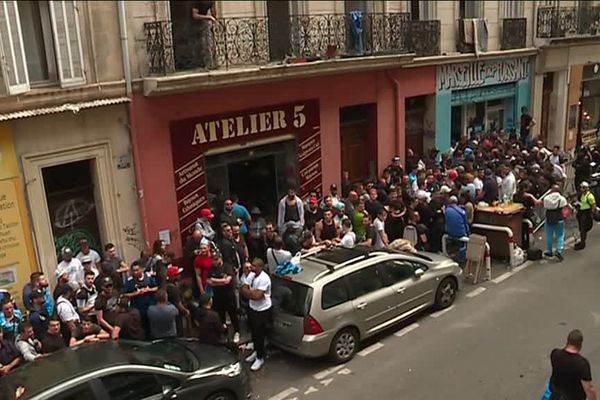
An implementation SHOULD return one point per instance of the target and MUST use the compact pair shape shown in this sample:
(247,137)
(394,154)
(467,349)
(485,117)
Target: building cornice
(470,57)
(180,83)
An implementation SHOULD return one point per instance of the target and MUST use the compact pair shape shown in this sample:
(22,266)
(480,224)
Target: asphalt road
(493,344)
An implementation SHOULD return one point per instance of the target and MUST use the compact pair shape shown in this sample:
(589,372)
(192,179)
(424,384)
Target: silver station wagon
(343,296)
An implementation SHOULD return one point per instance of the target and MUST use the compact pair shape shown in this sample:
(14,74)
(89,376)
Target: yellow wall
(17,258)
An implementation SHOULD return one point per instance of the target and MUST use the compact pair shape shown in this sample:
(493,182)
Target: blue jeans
(557,229)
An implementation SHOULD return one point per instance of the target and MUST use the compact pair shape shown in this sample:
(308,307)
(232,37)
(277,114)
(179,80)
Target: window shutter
(14,66)
(67,42)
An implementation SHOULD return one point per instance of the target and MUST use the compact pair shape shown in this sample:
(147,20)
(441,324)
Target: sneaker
(249,346)
(560,257)
(236,337)
(252,357)
(257,364)
(546,254)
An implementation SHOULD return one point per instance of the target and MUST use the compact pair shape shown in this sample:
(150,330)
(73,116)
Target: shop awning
(73,107)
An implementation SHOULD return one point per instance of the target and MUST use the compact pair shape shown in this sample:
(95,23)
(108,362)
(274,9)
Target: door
(278,14)
(456,123)
(139,386)
(373,302)
(411,292)
(71,199)
(546,95)
(254,182)
(356,127)
(413,122)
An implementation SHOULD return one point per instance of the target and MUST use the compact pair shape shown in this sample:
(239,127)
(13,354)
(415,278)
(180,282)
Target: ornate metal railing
(233,42)
(424,37)
(514,33)
(556,22)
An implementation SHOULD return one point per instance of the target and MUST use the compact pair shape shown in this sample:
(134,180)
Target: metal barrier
(510,241)
(487,256)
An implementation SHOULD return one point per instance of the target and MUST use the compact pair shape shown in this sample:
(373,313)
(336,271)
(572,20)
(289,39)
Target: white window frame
(21,82)
(67,81)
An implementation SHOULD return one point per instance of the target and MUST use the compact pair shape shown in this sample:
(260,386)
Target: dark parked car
(124,370)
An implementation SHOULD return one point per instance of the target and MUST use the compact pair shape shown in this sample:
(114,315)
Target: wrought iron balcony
(514,33)
(237,42)
(424,37)
(557,22)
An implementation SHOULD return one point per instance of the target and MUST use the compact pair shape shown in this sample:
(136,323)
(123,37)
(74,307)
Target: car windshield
(169,355)
(291,297)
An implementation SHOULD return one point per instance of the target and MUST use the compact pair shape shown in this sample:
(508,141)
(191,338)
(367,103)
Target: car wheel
(445,294)
(344,345)
(222,395)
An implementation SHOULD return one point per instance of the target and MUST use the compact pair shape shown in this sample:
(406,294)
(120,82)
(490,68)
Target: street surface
(493,344)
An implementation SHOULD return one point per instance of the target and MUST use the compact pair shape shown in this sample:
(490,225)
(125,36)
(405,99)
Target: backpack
(534,254)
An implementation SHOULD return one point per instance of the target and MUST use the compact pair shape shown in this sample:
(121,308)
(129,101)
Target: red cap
(207,213)
(173,271)
(453,175)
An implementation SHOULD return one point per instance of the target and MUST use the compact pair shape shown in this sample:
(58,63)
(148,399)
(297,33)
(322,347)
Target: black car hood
(210,356)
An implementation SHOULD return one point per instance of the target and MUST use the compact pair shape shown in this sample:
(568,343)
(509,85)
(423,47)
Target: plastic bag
(519,256)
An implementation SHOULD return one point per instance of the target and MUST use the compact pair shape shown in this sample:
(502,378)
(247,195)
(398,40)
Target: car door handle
(361,306)
(401,290)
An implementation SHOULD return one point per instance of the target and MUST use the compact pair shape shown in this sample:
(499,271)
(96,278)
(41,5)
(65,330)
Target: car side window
(365,281)
(136,385)
(396,271)
(334,294)
(81,392)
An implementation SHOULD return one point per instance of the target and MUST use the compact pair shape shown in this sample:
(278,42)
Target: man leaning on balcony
(203,16)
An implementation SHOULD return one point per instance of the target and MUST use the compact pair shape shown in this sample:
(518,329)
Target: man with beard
(394,223)
(312,213)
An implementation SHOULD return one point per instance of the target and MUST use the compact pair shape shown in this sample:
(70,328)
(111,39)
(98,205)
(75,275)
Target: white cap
(445,189)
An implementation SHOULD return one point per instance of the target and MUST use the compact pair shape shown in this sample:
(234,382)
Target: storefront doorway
(71,204)
(258,175)
(357,126)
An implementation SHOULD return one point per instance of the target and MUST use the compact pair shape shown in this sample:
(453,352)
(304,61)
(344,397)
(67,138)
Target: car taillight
(312,326)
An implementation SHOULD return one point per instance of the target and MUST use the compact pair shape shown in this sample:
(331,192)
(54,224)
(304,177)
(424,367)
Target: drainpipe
(397,114)
(132,131)
(124,46)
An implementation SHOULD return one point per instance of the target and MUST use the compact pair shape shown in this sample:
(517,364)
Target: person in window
(52,340)
(10,358)
(11,319)
(88,332)
(210,326)
(128,322)
(203,16)
(29,347)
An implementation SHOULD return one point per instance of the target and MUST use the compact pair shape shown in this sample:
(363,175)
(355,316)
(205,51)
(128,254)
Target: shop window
(72,205)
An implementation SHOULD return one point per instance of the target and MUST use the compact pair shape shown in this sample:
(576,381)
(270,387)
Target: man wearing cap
(37,280)
(86,251)
(174,295)
(38,317)
(71,265)
(396,170)
(89,266)
(204,224)
(105,305)
(584,215)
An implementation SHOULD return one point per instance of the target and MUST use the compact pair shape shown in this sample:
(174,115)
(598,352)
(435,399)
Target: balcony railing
(557,22)
(424,37)
(514,33)
(237,42)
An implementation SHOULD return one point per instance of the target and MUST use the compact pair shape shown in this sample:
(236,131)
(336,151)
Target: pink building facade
(255,141)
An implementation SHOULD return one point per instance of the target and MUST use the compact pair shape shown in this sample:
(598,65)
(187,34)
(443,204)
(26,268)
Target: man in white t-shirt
(348,239)
(381,239)
(71,265)
(276,255)
(65,310)
(86,250)
(257,289)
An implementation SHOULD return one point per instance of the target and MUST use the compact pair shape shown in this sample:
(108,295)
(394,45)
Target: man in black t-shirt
(221,279)
(53,340)
(370,232)
(571,373)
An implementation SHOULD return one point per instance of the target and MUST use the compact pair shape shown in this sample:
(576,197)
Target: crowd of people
(234,251)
